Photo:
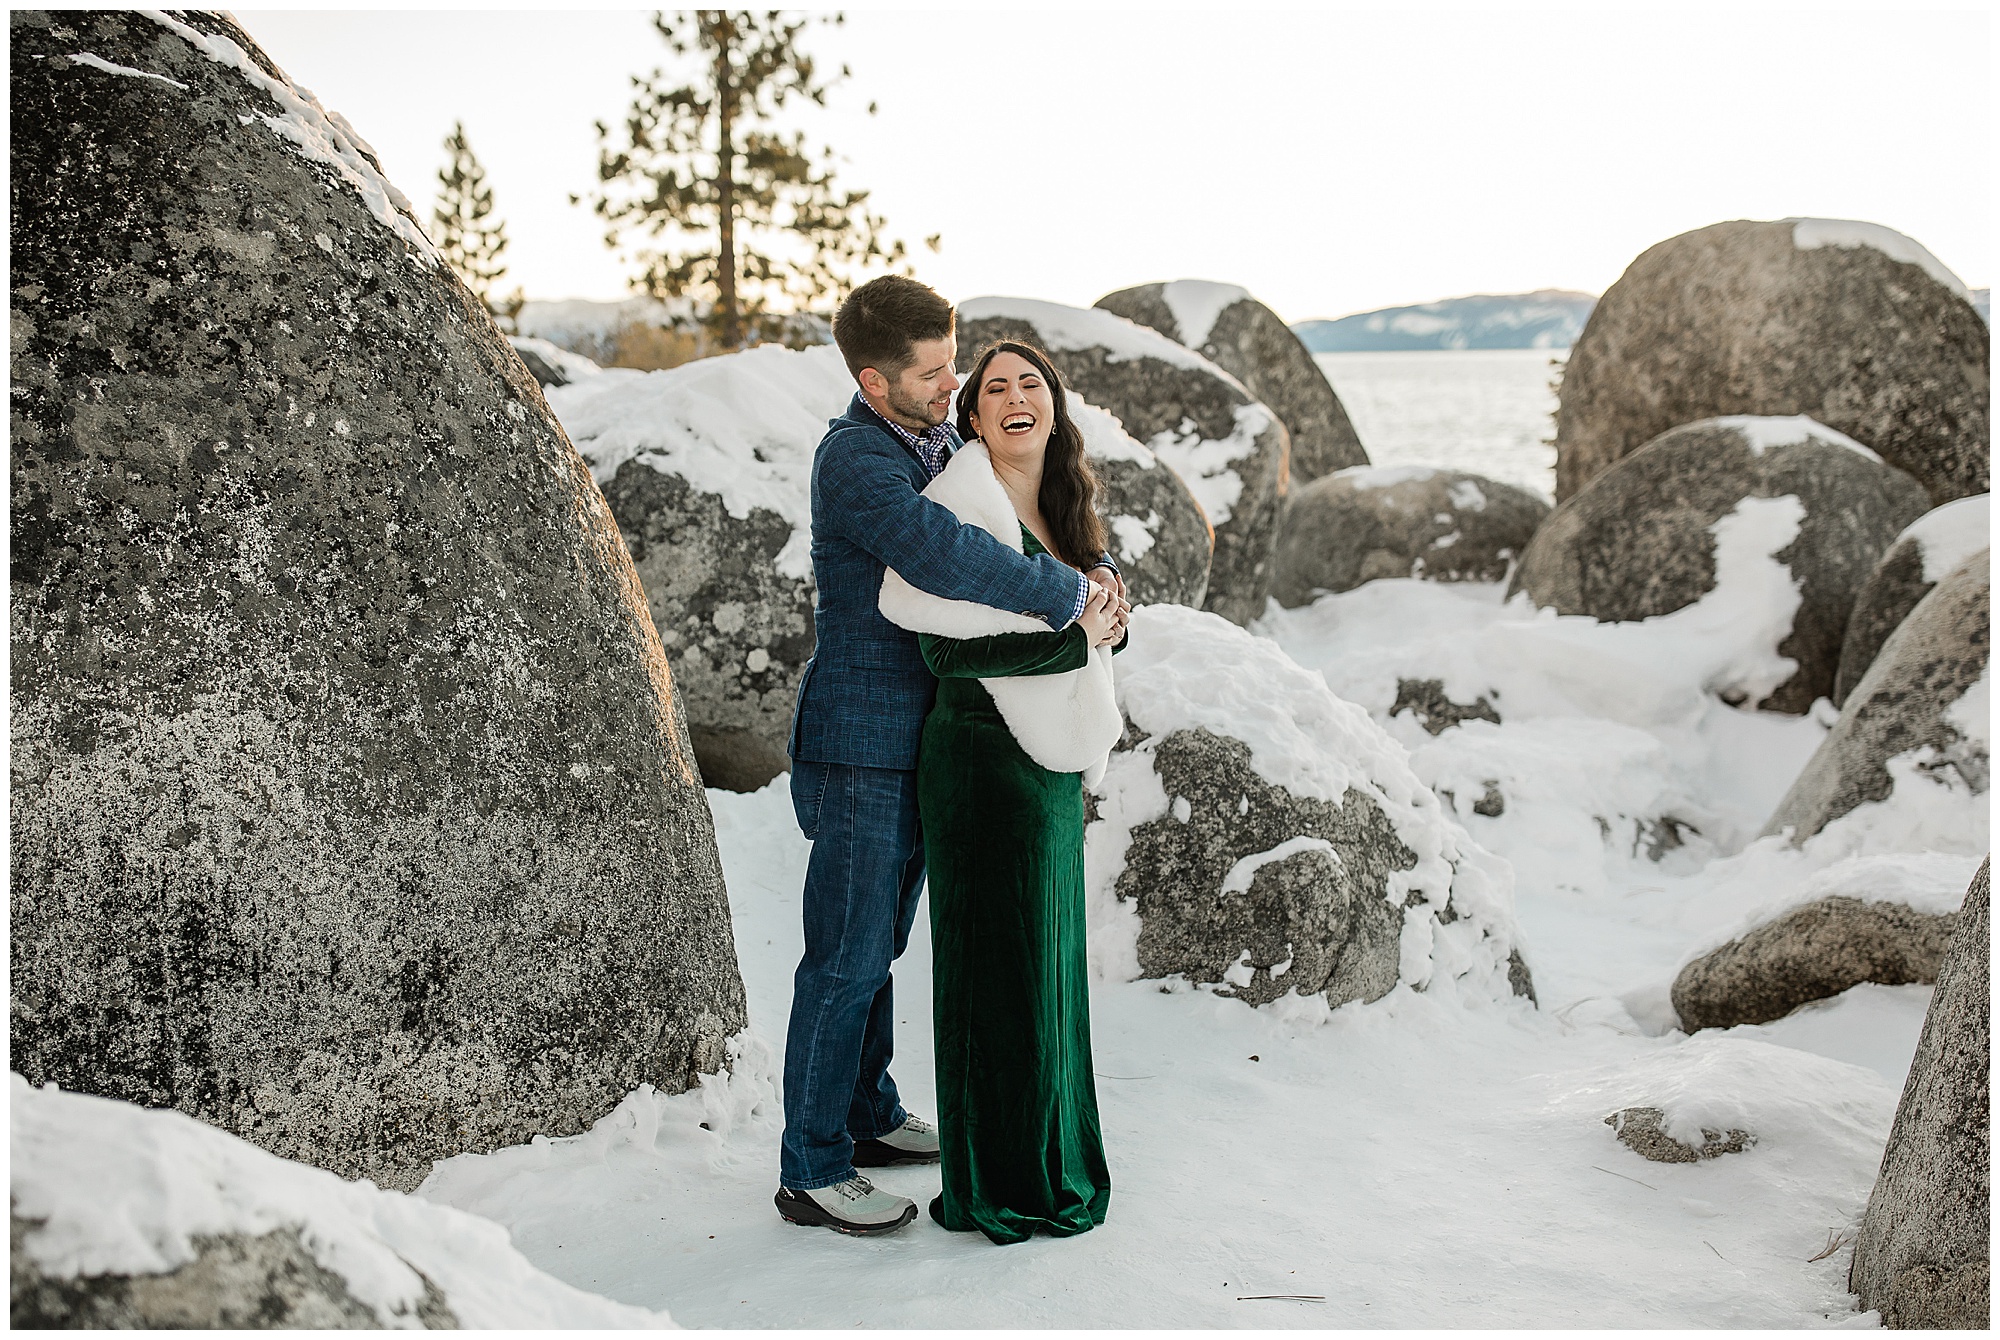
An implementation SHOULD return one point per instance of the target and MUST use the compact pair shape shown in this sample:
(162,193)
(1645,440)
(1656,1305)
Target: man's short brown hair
(882,321)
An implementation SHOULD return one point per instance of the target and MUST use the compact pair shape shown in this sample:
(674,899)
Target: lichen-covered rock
(1256,833)
(1923,1256)
(1228,447)
(1933,545)
(1242,336)
(1812,952)
(1372,522)
(1850,323)
(124,1217)
(1158,532)
(1641,540)
(708,469)
(352,809)
(235,1282)
(1926,691)
(1643,1131)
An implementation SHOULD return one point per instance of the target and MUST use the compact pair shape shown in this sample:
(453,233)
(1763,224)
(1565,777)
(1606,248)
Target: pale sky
(1329,161)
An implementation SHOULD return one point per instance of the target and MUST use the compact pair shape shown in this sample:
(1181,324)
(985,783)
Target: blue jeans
(862,883)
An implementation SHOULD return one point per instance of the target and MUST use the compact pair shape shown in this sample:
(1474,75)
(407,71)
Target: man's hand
(1102,623)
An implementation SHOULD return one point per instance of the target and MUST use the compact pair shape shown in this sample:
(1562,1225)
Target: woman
(1003,839)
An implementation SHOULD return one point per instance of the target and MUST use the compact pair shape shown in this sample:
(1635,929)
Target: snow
(1421,1161)
(743,427)
(1189,670)
(1104,437)
(125,1190)
(1764,431)
(97,62)
(1077,328)
(1808,234)
(1244,873)
(1203,463)
(1467,496)
(319,135)
(1196,303)
(1950,534)
(1614,736)
(1134,537)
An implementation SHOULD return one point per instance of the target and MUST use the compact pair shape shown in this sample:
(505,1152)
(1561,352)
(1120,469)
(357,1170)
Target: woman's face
(1015,408)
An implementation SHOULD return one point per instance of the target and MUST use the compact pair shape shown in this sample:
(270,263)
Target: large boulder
(1926,691)
(1370,522)
(1641,541)
(352,810)
(1933,545)
(1159,533)
(1810,953)
(1242,336)
(1922,1257)
(1850,323)
(708,470)
(1256,834)
(131,1219)
(1230,448)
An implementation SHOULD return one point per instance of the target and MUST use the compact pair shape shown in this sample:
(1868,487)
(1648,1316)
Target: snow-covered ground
(1420,1161)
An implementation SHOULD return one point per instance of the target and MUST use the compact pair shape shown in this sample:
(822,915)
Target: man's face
(920,397)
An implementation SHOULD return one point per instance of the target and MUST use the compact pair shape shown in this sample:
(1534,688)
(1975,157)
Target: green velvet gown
(1003,842)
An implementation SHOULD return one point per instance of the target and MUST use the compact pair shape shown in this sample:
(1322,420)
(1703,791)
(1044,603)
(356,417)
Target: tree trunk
(725,185)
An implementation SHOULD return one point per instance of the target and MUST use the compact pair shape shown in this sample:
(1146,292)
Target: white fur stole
(1065,722)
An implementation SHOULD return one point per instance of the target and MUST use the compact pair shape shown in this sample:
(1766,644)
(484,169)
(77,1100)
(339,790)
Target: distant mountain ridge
(1549,318)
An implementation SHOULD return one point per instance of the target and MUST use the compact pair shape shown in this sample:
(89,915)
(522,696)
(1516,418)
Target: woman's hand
(1104,616)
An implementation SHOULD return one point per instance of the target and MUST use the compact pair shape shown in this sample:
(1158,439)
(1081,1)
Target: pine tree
(730,209)
(470,237)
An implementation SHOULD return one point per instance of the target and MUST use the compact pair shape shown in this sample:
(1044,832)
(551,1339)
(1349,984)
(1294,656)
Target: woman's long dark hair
(1068,498)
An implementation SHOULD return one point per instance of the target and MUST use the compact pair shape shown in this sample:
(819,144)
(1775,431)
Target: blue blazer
(866,690)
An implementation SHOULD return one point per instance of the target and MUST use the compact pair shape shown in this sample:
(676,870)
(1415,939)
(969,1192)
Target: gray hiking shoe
(915,1141)
(853,1206)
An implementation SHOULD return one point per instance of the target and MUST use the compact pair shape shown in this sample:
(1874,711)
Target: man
(860,712)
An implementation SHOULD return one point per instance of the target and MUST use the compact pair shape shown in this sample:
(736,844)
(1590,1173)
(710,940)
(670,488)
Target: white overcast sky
(1331,161)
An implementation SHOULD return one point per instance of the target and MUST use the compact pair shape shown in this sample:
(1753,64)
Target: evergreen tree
(470,237)
(731,209)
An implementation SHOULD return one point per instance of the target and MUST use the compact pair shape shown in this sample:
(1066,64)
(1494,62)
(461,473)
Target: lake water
(1484,411)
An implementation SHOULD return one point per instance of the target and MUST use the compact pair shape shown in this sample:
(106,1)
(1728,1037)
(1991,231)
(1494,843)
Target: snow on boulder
(1809,953)
(1231,329)
(129,1218)
(1159,534)
(1923,1256)
(708,469)
(1370,522)
(1229,447)
(1933,545)
(550,365)
(351,810)
(1919,718)
(1257,834)
(1851,323)
(1641,540)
